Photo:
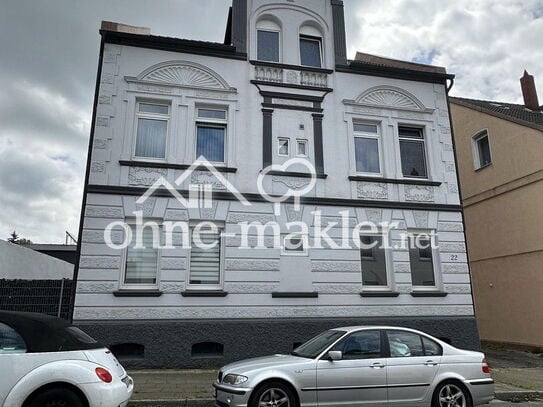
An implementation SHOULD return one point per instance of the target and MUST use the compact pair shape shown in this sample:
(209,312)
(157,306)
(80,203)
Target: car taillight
(486,368)
(103,375)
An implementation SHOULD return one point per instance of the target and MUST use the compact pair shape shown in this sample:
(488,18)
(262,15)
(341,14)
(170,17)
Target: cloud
(486,44)
(50,52)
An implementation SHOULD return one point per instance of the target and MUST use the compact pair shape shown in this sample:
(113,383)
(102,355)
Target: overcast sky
(49,54)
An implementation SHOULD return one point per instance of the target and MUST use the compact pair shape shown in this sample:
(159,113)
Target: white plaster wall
(19,262)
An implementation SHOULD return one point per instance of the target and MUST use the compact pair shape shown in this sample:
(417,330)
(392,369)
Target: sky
(49,55)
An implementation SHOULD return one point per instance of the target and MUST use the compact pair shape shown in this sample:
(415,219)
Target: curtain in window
(141,264)
(367,154)
(151,138)
(205,264)
(210,143)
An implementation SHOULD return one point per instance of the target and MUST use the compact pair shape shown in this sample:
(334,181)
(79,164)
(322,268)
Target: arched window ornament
(184,73)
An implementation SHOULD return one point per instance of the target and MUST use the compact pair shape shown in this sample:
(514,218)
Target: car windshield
(314,347)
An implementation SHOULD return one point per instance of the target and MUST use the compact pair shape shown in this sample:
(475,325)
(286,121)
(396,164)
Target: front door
(413,363)
(359,378)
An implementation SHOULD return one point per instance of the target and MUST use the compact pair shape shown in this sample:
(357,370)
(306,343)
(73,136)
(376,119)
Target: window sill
(204,293)
(428,294)
(482,167)
(309,294)
(371,294)
(137,293)
(296,174)
(154,164)
(395,181)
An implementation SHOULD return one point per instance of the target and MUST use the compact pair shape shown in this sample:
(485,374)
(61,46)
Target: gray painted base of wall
(168,343)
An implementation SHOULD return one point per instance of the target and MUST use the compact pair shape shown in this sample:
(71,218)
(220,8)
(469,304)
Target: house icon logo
(201,194)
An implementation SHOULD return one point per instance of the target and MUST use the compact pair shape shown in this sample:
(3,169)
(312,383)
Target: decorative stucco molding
(419,193)
(145,176)
(389,97)
(183,73)
(372,190)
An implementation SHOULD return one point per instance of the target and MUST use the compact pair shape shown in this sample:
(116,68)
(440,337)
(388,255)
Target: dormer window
(311,46)
(268,41)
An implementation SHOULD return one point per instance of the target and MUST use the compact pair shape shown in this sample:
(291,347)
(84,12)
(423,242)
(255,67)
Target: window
(211,134)
(301,148)
(366,148)
(142,262)
(152,128)
(205,257)
(373,261)
(207,349)
(283,147)
(412,152)
(482,150)
(125,351)
(431,348)
(315,346)
(10,340)
(267,45)
(310,51)
(404,344)
(360,345)
(421,260)
(295,244)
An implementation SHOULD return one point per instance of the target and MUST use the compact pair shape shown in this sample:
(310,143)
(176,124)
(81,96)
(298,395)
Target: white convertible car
(46,362)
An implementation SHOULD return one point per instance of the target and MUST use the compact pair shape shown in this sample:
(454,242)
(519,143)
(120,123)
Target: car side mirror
(335,355)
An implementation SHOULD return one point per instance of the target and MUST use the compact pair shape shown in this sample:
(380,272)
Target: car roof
(44,333)
(366,327)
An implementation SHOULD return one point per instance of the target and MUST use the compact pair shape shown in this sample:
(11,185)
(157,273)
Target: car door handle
(377,365)
(430,363)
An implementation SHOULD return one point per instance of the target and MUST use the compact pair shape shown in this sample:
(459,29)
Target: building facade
(499,149)
(377,134)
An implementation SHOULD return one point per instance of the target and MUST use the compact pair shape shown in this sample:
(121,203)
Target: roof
(45,333)
(52,246)
(515,113)
(396,63)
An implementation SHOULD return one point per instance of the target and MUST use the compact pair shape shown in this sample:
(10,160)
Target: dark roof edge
(464,102)
(172,44)
(363,68)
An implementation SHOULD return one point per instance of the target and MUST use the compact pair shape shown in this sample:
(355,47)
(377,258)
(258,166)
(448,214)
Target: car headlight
(234,379)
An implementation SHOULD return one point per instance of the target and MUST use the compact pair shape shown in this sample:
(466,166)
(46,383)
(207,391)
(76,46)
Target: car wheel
(451,394)
(273,394)
(56,398)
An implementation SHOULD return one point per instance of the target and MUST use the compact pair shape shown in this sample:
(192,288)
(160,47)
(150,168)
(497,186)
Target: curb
(518,395)
(173,403)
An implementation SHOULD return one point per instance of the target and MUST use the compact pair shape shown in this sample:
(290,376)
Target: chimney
(529,92)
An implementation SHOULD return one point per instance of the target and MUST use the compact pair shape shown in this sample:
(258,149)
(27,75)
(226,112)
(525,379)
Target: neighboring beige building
(499,150)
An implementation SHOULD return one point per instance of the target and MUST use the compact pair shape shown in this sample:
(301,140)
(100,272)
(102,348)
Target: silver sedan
(360,366)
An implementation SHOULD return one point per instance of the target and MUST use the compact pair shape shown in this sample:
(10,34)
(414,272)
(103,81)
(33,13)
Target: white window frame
(475,149)
(211,122)
(124,257)
(361,134)
(152,116)
(306,143)
(207,287)
(310,38)
(422,140)
(389,264)
(305,244)
(436,262)
(278,39)
(279,140)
